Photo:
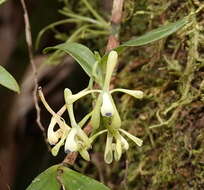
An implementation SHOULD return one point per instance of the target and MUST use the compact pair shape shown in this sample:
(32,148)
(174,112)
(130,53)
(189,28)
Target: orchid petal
(136,140)
(56,148)
(116,121)
(96,117)
(71,141)
(84,154)
(108,155)
(71,98)
(92,138)
(84,120)
(124,143)
(82,135)
(135,93)
(118,150)
(111,63)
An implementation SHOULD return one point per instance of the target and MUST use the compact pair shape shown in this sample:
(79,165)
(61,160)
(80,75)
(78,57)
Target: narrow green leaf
(7,80)
(82,54)
(156,34)
(60,177)
(149,37)
(2,1)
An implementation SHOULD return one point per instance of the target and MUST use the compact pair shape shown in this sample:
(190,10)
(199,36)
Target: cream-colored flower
(74,137)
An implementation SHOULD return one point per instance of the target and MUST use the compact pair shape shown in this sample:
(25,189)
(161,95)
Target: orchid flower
(105,108)
(61,133)
(105,105)
(77,140)
(115,149)
(74,137)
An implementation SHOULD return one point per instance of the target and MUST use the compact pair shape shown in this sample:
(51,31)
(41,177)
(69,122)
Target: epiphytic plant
(104,117)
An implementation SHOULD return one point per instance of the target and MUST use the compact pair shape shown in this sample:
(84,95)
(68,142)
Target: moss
(169,118)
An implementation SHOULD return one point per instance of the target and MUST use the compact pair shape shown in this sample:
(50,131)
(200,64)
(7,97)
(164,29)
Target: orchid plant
(104,118)
(74,138)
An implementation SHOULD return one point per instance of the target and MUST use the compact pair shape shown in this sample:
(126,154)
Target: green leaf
(2,1)
(149,37)
(156,34)
(73,180)
(82,54)
(46,180)
(7,80)
(59,176)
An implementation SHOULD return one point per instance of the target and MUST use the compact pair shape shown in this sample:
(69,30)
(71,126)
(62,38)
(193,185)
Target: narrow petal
(118,150)
(71,98)
(58,119)
(84,154)
(92,138)
(124,143)
(84,120)
(111,63)
(116,121)
(135,93)
(52,136)
(69,106)
(56,148)
(96,113)
(136,140)
(108,155)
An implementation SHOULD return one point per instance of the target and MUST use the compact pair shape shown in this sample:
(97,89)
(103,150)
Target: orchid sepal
(135,93)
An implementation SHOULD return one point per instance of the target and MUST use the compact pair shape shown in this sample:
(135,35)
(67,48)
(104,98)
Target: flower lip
(107,108)
(71,142)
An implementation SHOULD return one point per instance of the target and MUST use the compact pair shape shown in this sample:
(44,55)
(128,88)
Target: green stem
(95,14)
(76,35)
(50,27)
(83,18)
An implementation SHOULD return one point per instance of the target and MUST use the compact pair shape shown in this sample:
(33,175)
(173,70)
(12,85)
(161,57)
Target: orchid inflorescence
(104,113)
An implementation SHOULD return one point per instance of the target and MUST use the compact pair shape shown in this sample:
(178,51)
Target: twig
(112,43)
(116,18)
(31,57)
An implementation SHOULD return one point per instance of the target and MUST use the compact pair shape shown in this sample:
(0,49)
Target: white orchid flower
(105,104)
(74,137)
(77,140)
(61,133)
(118,146)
